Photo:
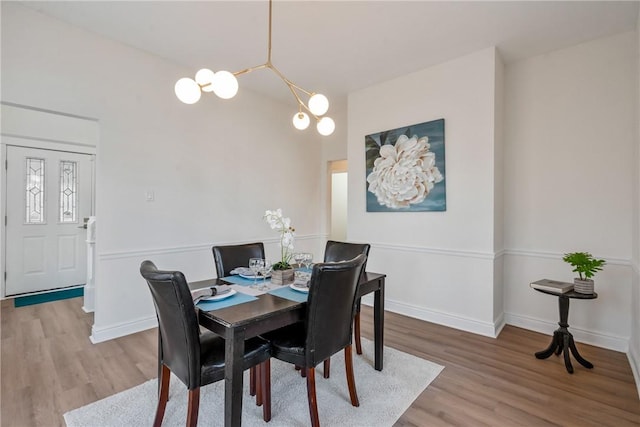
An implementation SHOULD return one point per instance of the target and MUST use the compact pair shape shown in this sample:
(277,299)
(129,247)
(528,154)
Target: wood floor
(49,367)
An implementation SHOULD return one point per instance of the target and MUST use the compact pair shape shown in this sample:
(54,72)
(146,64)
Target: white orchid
(283,225)
(404,174)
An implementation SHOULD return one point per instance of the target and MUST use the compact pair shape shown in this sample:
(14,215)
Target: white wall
(634,342)
(498,191)
(440,265)
(214,167)
(570,144)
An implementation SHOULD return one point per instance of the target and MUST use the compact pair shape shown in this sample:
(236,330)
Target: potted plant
(586,266)
(283,272)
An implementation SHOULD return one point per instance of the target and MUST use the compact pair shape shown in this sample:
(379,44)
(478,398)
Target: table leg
(567,358)
(584,362)
(378,325)
(552,347)
(234,351)
(560,344)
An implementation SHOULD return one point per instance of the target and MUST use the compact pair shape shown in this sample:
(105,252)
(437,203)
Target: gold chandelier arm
(250,69)
(292,87)
(269,45)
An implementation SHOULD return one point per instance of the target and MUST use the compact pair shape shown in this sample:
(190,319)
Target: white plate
(299,288)
(251,277)
(221,296)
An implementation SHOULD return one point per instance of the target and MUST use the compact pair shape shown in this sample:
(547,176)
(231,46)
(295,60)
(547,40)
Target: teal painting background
(436,199)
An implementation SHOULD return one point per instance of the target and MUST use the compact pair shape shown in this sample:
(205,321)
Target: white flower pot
(583,286)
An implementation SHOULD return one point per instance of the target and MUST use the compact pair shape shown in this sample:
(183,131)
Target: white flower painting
(405,169)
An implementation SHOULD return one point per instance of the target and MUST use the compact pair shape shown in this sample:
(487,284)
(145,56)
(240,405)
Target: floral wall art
(406,169)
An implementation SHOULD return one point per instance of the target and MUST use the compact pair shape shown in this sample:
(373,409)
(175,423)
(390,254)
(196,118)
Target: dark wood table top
(570,294)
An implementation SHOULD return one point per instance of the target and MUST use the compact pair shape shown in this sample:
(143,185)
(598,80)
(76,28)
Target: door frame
(48,130)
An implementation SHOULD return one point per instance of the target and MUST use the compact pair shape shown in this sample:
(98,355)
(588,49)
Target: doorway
(48,195)
(338,200)
(47,189)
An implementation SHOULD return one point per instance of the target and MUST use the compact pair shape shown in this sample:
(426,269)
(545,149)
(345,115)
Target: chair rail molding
(133,253)
(557,256)
(438,251)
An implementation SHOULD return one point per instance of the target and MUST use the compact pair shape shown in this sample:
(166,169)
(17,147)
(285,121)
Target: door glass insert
(34,196)
(68,191)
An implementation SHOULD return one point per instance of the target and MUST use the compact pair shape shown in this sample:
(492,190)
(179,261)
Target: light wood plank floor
(49,367)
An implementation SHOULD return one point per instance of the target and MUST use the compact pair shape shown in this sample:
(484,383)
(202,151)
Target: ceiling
(336,47)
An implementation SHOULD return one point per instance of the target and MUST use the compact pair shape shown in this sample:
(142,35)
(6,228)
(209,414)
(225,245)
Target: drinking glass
(255,264)
(265,269)
(298,257)
(307,260)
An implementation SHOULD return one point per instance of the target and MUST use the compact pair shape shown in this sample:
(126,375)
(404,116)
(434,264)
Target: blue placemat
(238,298)
(237,280)
(288,293)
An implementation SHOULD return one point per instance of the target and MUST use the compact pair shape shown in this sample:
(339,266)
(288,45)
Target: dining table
(263,312)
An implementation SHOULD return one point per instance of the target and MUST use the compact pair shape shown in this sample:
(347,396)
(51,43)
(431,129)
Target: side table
(562,341)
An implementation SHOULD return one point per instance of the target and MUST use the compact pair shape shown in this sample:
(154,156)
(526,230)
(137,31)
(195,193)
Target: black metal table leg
(562,341)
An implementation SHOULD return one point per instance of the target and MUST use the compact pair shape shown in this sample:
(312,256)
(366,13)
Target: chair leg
(265,385)
(311,396)
(327,367)
(163,394)
(160,365)
(356,329)
(194,405)
(252,381)
(258,379)
(348,365)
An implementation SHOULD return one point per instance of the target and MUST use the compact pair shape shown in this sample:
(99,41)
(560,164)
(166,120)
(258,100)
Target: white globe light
(326,126)
(318,104)
(225,84)
(204,78)
(187,90)
(300,120)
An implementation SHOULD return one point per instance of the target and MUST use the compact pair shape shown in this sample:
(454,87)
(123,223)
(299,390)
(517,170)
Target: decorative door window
(68,191)
(34,191)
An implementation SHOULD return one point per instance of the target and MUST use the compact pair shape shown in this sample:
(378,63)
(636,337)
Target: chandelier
(225,85)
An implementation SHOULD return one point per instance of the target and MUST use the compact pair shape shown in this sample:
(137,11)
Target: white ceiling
(336,47)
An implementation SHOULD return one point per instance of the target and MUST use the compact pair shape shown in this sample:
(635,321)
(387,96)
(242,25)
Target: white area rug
(384,396)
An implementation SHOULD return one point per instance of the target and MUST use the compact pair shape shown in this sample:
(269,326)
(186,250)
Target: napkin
(197,295)
(245,271)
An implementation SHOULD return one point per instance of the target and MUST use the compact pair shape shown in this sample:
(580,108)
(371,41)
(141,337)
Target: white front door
(49,193)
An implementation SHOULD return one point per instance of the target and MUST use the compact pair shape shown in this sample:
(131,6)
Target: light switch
(150,196)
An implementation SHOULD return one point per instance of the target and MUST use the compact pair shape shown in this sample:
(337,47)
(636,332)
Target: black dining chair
(340,251)
(196,358)
(327,327)
(227,258)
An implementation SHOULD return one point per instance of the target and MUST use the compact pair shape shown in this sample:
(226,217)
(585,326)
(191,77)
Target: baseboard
(89,299)
(446,319)
(588,337)
(122,329)
(499,324)
(634,361)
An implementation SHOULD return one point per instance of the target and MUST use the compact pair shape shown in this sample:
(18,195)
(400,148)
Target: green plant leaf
(584,264)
